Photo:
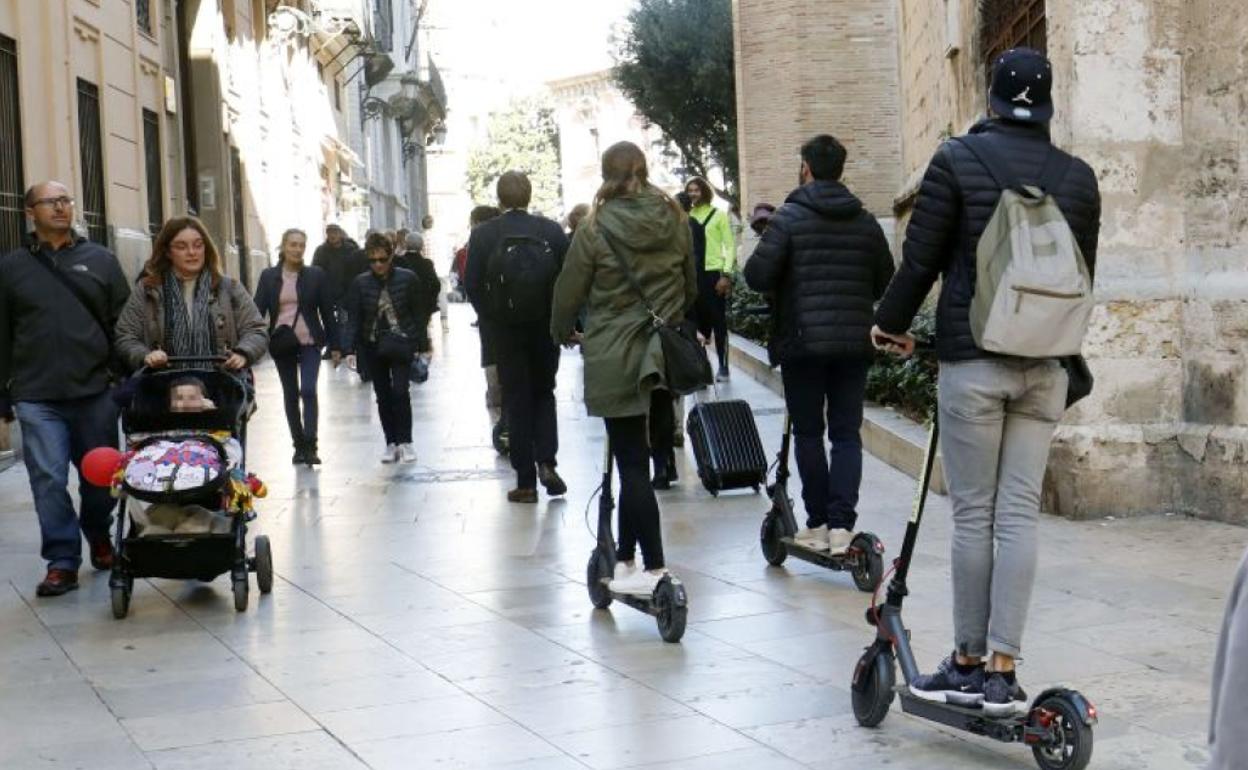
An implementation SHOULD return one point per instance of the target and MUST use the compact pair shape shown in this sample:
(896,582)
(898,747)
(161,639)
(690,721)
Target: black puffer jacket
(957,199)
(826,261)
(411,307)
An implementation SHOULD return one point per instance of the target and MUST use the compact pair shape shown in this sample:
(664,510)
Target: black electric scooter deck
(864,557)
(668,604)
(1057,725)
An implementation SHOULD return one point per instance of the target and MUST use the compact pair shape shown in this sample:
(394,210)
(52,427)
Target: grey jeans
(1228,742)
(997,418)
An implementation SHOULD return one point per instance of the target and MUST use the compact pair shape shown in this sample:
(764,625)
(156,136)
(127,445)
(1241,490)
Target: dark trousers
(639,509)
(712,313)
(394,405)
(55,435)
(298,374)
(829,481)
(662,428)
(528,362)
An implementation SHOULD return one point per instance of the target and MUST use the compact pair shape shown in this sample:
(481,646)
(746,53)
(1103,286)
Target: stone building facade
(807,67)
(1152,94)
(593,114)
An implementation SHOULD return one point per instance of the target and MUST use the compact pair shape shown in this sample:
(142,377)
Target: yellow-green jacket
(721,247)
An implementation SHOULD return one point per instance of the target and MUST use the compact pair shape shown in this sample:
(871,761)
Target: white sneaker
(839,540)
(640,583)
(390,454)
(624,569)
(407,453)
(815,539)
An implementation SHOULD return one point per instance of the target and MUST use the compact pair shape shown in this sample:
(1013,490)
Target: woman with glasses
(388,310)
(186,306)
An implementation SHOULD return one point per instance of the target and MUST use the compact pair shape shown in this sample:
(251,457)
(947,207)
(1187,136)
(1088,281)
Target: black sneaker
(1003,696)
(951,684)
(661,481)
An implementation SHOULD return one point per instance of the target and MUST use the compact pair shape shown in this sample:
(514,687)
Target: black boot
(300,452)
(310,455)
(661,479)
(671,467)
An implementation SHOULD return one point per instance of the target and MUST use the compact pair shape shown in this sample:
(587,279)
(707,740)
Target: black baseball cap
(1022,86)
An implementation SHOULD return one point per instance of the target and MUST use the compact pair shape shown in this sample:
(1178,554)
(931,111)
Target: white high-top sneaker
(639,583)
(839,541)
(390,454)
(407,453)
(815,538)
(624,569)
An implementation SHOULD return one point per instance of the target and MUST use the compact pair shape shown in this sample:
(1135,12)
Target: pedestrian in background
(526,250)
(1228,743)
(624,368)
(341,259)
(296,298)
(825,261)
(385,309)
(60,297)
(716,255)
(416,261)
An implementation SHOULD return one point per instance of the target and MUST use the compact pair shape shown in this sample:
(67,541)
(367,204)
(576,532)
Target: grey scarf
(188,334)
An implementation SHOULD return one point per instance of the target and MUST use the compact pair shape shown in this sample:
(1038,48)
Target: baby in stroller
(172,468)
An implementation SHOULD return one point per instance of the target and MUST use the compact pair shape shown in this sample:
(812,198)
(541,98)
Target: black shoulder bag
(688,370)
(113,365)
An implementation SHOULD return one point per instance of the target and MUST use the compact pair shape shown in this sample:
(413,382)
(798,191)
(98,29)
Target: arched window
(1006,24)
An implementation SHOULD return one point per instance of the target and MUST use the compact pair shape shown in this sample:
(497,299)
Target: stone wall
(1151,93)
(804,70)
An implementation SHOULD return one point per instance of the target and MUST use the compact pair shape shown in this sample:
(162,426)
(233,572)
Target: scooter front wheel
(774,550)
(599,593)
(1069,744)
(875,695)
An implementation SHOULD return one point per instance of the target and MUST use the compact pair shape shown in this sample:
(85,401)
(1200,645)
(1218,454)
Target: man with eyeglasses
(60,296)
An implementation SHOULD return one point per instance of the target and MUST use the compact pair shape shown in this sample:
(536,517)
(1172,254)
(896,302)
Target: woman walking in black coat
(388,311)
(296,299)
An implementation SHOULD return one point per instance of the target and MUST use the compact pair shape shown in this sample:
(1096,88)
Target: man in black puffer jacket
(825,261)
(997,413)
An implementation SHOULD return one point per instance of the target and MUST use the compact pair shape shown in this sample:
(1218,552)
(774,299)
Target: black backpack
(520,279)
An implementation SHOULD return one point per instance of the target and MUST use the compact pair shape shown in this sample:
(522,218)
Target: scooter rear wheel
(1071,739)
(599,594)
(868,568)
(673,611)
(871,704)
(774,550)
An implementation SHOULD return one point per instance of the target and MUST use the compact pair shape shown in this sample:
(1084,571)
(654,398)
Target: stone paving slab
(419,620)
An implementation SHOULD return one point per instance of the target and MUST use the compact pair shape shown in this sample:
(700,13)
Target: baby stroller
(189,465)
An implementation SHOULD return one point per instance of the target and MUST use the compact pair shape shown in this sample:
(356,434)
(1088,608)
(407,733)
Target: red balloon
(99,465)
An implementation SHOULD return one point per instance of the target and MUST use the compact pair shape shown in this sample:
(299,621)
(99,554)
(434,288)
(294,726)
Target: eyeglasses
(62,201)
(182,247)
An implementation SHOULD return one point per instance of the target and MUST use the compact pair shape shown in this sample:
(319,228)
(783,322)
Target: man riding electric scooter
(825,261)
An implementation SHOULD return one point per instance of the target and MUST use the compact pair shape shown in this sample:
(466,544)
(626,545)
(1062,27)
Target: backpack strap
(41,258)
(632,276)
(709,217)
(1001,171)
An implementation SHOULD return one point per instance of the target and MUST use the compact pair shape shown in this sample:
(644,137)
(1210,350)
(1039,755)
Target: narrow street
(419,620)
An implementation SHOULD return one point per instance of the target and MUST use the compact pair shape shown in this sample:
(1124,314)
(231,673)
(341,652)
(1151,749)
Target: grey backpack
(1033,293)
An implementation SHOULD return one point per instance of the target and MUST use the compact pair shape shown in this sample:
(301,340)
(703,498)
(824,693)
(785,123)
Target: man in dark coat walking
(826,261)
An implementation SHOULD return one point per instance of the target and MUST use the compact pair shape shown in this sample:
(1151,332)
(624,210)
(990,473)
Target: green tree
(675,62)
(523,137)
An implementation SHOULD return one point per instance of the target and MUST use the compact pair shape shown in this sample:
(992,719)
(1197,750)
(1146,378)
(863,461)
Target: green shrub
(752,326)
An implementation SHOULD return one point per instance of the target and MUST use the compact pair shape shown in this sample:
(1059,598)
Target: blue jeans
(55,434)
(298,374)
(829,481)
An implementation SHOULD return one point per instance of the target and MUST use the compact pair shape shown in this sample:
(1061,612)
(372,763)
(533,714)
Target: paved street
(418,620)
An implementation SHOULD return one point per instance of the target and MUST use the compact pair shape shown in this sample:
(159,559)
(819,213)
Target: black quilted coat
(957,199)
(825,261)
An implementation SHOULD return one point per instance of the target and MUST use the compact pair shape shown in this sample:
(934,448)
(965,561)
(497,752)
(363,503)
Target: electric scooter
(864,558)
(1057,726)
(669,604)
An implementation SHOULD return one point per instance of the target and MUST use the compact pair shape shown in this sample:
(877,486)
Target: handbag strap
(74,289)
(632,277)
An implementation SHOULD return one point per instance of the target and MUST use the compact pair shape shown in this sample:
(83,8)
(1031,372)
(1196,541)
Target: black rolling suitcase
(726,446)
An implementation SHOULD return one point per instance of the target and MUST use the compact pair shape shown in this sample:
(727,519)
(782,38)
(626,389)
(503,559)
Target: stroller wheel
(264,564)
(240,593)
(121,602)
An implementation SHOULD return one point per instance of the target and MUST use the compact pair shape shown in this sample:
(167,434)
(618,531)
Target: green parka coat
(622,355)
